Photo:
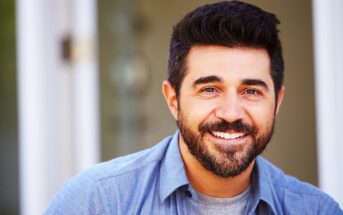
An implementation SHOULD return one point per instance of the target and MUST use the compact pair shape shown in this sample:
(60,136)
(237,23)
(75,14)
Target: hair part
(230,24)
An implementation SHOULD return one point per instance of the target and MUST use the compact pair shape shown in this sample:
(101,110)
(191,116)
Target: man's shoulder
(135,162)
(128,164)
(294,194)
(283,181)
(91,188)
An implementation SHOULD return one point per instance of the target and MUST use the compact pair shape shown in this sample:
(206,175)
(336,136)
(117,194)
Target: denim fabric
(154,181)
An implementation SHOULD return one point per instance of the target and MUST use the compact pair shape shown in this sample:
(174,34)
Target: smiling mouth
(228,136)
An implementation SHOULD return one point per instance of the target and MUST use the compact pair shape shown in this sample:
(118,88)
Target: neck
(210,184)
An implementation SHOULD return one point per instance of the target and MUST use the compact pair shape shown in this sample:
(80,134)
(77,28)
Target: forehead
(230,64)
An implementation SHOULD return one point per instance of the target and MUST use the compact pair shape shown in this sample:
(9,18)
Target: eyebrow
(255,82)
(207,79)
(213,79)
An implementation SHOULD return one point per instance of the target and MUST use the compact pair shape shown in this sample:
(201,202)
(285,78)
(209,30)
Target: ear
(280,98)
(170,97)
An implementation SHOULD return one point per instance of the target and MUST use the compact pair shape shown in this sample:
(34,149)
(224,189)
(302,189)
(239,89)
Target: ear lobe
(170,97)
(280,98)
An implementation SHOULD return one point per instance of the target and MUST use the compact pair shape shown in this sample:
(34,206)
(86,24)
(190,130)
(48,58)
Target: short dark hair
(230,24)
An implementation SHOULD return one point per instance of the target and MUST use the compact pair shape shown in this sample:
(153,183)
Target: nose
(230,109)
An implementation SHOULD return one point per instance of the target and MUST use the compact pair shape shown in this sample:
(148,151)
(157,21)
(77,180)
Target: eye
(252,92)
(209,90)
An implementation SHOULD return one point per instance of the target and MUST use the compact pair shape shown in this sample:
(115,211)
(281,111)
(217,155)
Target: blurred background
(80,83)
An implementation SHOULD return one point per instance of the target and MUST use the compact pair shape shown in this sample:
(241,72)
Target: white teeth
(227,135)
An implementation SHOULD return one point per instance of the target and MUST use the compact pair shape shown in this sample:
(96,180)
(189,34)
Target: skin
(230,84)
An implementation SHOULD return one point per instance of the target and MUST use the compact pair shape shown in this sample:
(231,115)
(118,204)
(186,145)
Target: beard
(224,160)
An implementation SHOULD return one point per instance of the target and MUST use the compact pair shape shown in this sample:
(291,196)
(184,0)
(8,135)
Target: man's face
(226,107)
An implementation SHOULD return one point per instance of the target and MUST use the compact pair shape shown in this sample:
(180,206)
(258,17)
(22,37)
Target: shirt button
(188,194)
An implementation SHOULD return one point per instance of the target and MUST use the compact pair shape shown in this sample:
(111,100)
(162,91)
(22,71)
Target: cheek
(261,114)
(195,111)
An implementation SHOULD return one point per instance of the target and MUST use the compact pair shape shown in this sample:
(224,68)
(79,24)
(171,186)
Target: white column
(328,43)
(58,98)
(85,91)
(37,57)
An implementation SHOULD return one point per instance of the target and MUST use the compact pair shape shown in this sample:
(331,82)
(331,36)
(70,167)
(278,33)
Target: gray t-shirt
(202,204)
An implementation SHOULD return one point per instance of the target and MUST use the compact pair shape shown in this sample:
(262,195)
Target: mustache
(222,126)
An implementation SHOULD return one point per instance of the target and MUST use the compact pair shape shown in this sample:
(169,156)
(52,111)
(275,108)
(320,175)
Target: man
(224,89)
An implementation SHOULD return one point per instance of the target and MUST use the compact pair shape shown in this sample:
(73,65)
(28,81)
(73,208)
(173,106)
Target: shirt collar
(172,172)
(261,184)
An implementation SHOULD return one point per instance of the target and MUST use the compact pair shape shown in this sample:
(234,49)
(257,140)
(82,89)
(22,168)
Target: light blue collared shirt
(154,181)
